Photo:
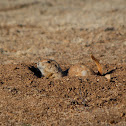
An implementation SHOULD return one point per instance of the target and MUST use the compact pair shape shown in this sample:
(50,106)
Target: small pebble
(124,43)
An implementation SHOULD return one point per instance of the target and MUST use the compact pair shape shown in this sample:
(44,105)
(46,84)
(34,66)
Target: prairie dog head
(49,68)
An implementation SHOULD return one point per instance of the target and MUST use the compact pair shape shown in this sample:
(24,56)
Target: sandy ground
(67,31)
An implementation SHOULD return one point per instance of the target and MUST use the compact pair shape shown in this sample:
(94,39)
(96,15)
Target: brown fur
(83,70)
(50,68)
(100,70)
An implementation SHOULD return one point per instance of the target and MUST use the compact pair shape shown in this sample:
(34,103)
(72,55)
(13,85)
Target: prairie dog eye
(48,62)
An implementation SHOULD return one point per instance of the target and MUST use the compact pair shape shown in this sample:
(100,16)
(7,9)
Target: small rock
(108,77)
(124,43)
(123,80)
(67,79)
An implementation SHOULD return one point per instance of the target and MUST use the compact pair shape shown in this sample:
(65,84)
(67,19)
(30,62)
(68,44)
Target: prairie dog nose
(37,63)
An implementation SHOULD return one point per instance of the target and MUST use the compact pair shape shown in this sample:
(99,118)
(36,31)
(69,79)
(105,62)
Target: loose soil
(68,32)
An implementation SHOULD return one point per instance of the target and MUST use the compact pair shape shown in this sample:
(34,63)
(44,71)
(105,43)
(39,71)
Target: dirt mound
(28,99)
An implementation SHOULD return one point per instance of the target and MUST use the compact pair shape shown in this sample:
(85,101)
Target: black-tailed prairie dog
(50,68)
(82,70)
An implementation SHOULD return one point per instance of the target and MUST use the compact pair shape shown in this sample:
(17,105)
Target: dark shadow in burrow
(36,71)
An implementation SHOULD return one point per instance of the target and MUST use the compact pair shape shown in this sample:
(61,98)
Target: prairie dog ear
(99,67)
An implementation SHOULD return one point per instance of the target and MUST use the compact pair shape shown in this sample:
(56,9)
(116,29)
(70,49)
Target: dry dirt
(67,31)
